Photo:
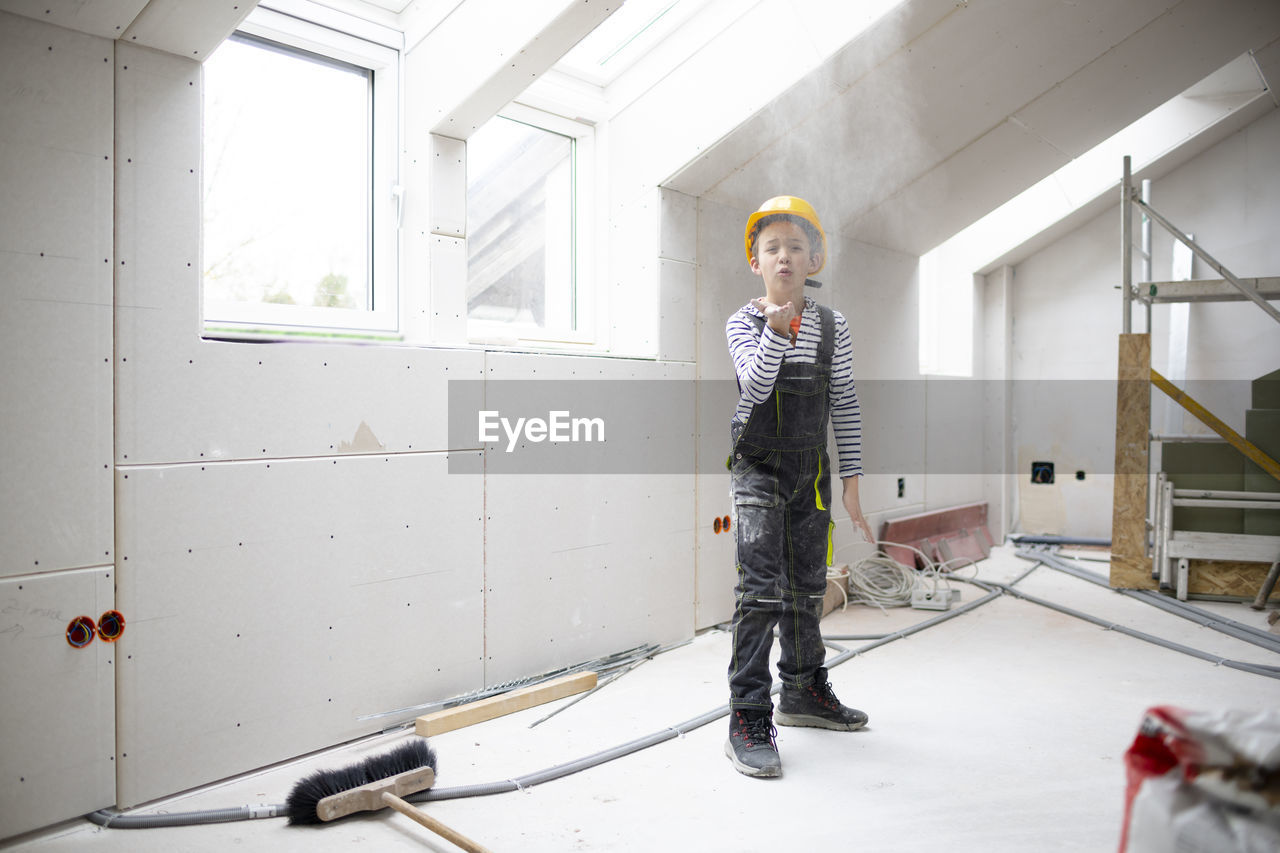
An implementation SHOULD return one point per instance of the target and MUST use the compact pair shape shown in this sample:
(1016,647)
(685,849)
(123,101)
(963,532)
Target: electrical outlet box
(925,597)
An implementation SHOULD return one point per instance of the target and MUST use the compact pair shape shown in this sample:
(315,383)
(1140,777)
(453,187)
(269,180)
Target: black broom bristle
(308,792)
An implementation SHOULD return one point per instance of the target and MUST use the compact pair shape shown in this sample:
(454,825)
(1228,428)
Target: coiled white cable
(881,580)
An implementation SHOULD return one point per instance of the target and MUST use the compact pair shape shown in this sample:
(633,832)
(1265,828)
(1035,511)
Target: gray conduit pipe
(1200,616)
(1256,669)
(110,818)
(116,820)
(658,737)
(1024,539)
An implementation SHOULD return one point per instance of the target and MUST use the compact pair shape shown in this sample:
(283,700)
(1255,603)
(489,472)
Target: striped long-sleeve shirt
(758,357)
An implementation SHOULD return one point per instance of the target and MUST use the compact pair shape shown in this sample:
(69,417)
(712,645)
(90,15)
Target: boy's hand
(778,316)
(853,506)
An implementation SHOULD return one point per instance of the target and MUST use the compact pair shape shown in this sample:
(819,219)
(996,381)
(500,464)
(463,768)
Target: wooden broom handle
(410,811)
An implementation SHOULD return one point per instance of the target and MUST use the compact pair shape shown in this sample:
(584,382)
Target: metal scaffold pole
(1126,247)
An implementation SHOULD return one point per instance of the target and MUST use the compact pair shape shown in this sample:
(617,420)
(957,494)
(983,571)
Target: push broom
(372,784)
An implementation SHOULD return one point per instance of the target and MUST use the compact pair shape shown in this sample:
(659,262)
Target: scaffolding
(1147,550)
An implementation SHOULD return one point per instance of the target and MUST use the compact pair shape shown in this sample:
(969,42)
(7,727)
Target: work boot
(817,706)
(750,745)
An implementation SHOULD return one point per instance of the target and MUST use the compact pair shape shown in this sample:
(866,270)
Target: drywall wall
(297,561)
(1067,316)
(56,163)
(316,475)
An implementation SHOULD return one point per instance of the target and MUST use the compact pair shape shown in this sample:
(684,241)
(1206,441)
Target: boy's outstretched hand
(778,316)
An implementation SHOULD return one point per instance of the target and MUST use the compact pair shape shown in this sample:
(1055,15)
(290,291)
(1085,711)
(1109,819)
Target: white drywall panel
(677,226)
(631,287)
(55,331)
(993,356)
(716,550)
(182,398)
(520,42)
(1267,60)
(448,186)
(106,18)
(57,710)
(1066,318)
(985,173)
(677,317)
(724,284)
(187,29)
(279,607)
(1142,71)
(582,565)
(448,307)
(677,276)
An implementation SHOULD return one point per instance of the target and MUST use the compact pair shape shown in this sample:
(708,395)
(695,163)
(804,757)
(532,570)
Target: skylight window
(624,37)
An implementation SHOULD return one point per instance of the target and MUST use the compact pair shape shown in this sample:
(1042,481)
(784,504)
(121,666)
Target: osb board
(1130,567)
(1227,577)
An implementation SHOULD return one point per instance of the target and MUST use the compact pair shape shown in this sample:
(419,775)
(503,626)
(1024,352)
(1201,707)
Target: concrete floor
(1002,729)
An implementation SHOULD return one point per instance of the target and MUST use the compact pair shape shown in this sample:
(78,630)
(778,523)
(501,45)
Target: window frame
(264,321)
(584,296)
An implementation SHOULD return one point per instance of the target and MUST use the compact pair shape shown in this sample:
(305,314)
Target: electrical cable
(880,580)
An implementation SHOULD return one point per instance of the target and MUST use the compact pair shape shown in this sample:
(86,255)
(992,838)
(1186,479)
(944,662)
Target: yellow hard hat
(795,206)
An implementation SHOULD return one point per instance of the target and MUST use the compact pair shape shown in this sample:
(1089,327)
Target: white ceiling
(943,110)
(935,115)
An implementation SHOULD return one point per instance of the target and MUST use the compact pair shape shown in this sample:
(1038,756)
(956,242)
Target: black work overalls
(781,490)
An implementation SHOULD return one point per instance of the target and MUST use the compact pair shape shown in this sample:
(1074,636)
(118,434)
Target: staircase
(1195,468)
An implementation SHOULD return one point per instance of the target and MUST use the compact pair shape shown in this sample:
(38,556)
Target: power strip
(927,597)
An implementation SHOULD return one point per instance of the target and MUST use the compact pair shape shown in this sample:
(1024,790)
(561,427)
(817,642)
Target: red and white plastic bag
(1203,782)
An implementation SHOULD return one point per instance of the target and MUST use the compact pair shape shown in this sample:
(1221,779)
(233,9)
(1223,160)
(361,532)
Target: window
(300,195)
(526,229)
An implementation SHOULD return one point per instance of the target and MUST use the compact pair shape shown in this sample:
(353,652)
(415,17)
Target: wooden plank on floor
(507,703)
(1130,566)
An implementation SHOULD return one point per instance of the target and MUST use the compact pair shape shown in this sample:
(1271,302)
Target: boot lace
(825,696)
(756,731)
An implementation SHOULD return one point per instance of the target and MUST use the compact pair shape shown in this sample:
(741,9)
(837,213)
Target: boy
(793,359)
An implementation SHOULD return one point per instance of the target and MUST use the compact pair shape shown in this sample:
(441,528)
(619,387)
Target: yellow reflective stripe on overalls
(817,493)
(831,525)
